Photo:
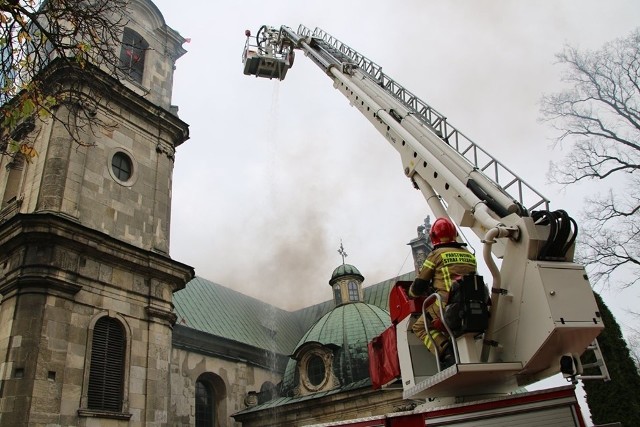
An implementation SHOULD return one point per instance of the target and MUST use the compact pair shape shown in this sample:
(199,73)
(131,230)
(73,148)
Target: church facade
(99,326)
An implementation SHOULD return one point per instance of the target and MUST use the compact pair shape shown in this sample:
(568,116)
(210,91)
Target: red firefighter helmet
(443,231)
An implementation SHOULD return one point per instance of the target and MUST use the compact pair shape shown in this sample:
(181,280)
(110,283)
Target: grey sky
(276,173)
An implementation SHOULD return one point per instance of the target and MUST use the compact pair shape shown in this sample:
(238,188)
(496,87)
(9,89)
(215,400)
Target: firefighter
(448,260)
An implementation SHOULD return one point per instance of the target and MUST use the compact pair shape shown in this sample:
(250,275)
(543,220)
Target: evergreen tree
(617,400)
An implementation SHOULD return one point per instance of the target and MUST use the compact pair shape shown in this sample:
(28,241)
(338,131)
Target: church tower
(421,246)
(85,274)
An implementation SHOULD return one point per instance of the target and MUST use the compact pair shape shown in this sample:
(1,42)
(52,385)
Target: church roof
(348,328)
(348,324)
(212,308)
(217,310)
(345,270)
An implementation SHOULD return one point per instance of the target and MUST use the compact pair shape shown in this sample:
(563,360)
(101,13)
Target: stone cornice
(163,316)
(63,73)
(48,229)
(35,282)
(199,342)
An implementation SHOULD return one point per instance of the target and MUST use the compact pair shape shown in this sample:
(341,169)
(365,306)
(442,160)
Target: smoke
(292,270)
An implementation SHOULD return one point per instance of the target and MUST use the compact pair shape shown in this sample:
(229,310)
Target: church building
(99,326)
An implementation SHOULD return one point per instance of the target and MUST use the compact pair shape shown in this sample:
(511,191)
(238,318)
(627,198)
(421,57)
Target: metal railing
(499,174)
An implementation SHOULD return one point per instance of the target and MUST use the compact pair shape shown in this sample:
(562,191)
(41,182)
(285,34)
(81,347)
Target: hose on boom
(563,231)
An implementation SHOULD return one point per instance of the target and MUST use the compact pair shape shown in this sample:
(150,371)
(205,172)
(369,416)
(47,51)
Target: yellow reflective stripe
(446,276)
(428,264)
(458,258)
(428,340)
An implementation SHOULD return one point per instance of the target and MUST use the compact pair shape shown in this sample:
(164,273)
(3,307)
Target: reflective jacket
(442,266)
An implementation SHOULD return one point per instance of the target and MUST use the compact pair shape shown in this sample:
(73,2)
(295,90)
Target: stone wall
(78,243)
(232,381)
(57,279)
(165,48)
(358,403)
(77,179)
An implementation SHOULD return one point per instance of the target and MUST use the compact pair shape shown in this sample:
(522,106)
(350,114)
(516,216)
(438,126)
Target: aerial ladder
(543,315)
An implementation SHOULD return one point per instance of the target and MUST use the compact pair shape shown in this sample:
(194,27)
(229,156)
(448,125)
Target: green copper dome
(345,270)
(347,329)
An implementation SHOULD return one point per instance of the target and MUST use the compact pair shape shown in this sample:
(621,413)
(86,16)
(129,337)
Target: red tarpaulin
(384,366)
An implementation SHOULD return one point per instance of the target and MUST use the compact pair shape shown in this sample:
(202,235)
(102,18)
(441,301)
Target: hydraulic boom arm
(441,161)
(538,279)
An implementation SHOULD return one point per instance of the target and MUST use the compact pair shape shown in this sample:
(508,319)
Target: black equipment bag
(468,307)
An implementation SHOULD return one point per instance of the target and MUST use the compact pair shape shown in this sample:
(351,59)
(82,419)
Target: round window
(122,166)
(315,370)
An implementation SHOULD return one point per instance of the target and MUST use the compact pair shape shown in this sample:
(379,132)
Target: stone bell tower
(85,274)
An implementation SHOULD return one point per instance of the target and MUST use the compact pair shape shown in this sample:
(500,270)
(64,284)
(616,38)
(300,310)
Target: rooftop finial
(342,252)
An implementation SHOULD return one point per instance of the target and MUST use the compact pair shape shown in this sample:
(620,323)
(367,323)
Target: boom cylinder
(450,158)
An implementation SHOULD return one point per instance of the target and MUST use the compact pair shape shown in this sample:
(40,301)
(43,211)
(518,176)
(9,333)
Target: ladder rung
(599,363)
(593,377)
(592,365)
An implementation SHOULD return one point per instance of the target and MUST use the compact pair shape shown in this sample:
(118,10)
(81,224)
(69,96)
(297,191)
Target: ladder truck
(541,315)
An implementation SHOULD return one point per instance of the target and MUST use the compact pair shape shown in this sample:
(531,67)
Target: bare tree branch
(598,117)
(35,33)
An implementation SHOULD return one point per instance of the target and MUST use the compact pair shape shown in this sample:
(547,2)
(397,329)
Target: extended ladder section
(543,312)
(501,176)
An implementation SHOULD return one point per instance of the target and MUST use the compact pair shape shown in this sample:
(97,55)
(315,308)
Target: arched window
(316,370)
(106,369)
(205,404)
(132,53)
(354,295)
(268,391)
(12,187)
(337,294)
(16,167)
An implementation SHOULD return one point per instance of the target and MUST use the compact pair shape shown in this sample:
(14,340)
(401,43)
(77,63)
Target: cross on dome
(342,252)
